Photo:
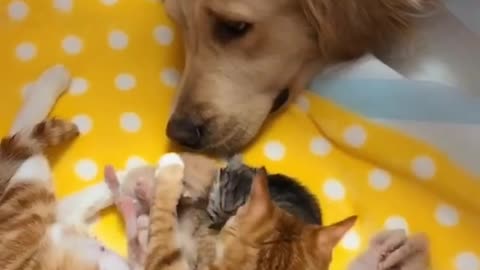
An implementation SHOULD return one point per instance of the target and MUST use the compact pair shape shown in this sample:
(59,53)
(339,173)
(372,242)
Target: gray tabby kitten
(232,187)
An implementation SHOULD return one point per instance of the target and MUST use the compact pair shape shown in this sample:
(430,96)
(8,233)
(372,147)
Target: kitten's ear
(329,236)
(259,200)
(259,191)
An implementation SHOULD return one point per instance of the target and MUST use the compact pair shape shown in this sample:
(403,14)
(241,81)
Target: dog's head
(247,58)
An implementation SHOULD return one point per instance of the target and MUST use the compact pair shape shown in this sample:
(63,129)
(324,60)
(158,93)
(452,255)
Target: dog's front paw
(52,132)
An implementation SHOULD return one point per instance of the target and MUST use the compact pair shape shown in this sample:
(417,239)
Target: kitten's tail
(17,148)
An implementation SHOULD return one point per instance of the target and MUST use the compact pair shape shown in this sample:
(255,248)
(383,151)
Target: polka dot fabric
(126,59)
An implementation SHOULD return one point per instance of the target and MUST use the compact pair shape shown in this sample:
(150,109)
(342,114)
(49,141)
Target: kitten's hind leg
(78,208)
(81,206)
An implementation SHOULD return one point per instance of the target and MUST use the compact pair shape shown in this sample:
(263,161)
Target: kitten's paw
(394,240)
(170,159)
(170,169)
(55,131)
(54,80)
(412,254)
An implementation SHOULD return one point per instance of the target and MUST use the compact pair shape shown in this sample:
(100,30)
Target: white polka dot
(118,40)
(78,86)
(135,162)
(163,35)
(170,77)
(86,169)
(303,103)
(355,135)
(396,222)
(467,261)
(351,241)
(320,146)
(26,51)
(27,89)
(83,122)
(18,10)
(109,2)
(274,150)
(334,189)
(63,5)
(446,215)
(379,179)
(125,81)
(72,44)
(423,167)
(130,122)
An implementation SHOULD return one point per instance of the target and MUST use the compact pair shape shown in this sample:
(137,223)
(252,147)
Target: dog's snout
(185,132)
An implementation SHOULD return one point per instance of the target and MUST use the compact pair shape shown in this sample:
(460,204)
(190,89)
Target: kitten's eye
(227,30)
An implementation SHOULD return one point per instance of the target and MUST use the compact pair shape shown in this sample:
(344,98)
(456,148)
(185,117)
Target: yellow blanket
(126,56)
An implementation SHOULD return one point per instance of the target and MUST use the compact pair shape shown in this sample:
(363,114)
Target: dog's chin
(227,142)
(227,148)
(234,140)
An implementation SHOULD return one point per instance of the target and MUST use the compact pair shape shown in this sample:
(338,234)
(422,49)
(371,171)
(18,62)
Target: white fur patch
(56,233)
(170,159)
(34,169)
(54,81)
(77,208)
(112,262)
(121,176)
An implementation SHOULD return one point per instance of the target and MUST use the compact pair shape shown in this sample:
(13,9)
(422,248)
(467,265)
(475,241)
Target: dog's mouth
(280,100)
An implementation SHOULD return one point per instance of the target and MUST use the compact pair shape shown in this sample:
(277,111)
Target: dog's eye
(280,100)
(227,30)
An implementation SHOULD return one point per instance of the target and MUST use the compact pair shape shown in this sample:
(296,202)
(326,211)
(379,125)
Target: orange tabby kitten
(35,232)
(260,235)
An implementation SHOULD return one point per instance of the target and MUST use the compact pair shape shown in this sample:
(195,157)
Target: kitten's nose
(185,131)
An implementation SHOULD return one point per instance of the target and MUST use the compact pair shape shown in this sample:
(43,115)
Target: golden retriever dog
(245,59)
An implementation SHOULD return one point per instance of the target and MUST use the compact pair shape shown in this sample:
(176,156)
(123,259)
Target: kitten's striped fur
(32,236)
(259,236)
(231,188)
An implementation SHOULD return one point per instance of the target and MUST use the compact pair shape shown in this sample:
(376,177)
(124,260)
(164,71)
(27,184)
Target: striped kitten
(231,188)
(36,232)
(260,235)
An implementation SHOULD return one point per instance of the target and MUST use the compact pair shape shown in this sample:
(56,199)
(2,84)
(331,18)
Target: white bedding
(429,88)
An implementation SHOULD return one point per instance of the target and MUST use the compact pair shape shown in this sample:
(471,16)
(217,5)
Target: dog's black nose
(185,132)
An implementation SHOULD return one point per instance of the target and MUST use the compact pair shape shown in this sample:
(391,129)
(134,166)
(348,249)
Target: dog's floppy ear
(346,29)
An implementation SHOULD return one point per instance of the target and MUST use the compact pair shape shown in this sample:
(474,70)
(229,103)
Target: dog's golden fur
(229,84)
